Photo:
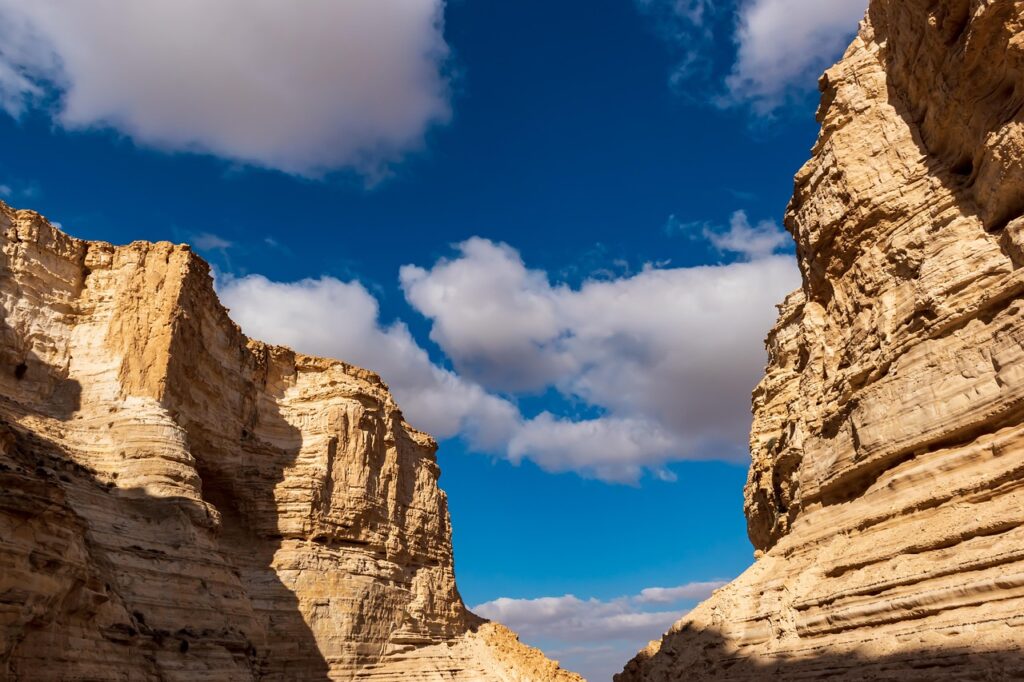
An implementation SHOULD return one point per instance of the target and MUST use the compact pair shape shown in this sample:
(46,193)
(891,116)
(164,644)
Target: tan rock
(886,495)
(179,502)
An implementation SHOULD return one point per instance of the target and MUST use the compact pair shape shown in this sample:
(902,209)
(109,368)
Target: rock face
(179,502)
(886,495)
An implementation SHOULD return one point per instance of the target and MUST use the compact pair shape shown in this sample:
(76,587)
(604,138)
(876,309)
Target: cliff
(180,502)
(886,493)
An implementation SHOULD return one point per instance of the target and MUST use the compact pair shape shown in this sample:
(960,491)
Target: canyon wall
(180,502)
(886,494)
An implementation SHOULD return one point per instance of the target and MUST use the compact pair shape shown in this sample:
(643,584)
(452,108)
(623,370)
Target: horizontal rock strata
(180,502)
(886,494)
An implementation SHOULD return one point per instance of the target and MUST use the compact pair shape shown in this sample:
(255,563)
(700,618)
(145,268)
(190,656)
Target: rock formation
(179,502)
(886,495)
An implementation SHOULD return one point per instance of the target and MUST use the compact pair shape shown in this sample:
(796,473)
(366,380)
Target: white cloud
(21,49)
(663,361)
(609,448)
(581,633)
(16,91)
(786,44)
(669,595)
(576,620)
(6,191)
(493,316)
(749,241)
(305,87)
(207,241)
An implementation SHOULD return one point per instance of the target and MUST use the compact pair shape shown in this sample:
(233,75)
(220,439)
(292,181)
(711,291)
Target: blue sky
(552,227)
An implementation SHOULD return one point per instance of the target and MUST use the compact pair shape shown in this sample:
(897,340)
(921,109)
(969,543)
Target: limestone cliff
(179,502)
(886,495)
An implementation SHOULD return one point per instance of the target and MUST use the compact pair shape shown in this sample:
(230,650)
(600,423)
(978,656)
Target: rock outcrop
(886,494)
(180,502)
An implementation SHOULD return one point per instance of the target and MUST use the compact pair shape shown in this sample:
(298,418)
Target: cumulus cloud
(610,448)
(781,46)
(306,87)
(492,315)
(786,44)
(664,353)
(583,632)
(662,361)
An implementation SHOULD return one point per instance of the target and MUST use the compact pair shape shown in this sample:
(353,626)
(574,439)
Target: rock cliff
(886,494)
(180,502)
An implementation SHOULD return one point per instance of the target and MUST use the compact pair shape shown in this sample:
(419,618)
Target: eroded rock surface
(179,502)
(886,496)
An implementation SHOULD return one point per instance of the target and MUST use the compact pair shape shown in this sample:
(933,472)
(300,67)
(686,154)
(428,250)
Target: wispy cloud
(688,27)
(672,13)
(207,241)
(670,595)
(675,226)
(780,46)
(19,190)
(276,245)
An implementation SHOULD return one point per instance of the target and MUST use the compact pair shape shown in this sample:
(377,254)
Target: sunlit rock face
(179,502)
(886,494)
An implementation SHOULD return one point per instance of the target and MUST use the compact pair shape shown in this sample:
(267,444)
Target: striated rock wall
(179,502)
(886,494)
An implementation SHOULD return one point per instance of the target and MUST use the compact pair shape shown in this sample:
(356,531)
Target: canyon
(886,494)
(181,502)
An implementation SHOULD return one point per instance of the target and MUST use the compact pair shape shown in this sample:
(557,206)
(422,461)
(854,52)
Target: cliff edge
(180,502)
(886,493)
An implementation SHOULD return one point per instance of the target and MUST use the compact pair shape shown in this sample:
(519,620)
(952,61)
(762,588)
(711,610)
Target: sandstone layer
(886,494)
(180,502)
